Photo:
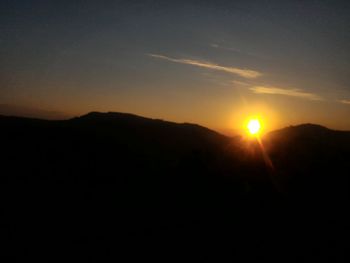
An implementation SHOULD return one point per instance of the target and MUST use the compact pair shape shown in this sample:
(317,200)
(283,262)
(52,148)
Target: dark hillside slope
(313,157)
(116,177)
(116,185)
(312,163)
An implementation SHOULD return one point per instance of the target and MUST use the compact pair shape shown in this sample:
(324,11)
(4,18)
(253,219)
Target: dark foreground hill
(120,186)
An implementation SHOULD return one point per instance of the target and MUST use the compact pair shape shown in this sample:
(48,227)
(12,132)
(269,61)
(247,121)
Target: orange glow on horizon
(266,120)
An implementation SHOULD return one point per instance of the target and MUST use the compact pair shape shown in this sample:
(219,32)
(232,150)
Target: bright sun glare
(254,126)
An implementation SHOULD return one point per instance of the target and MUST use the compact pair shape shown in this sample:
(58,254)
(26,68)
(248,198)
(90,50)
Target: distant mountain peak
(121,118)
(307,131)
(95,115)
(31,112)
(109,114)
(310,126)
(303,128)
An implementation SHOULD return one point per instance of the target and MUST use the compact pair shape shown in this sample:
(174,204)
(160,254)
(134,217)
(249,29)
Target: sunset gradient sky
(209,62)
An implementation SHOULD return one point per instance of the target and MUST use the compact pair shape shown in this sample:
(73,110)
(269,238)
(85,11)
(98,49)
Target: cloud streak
(236,50)
(245,73)
(345,101)
(286,92)
(240,83)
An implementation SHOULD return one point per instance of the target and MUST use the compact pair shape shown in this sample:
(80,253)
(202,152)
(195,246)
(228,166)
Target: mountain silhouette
(311,154)
(121,186)
(31,112)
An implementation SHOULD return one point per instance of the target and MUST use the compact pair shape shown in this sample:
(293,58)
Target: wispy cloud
(236,50)
(245,73)
(240,83)
(226,48)
(286,92)
(345,101)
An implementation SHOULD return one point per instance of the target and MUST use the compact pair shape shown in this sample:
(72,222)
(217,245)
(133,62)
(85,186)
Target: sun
(254,126)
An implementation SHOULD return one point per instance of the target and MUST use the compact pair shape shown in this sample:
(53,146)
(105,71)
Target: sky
(214,63)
